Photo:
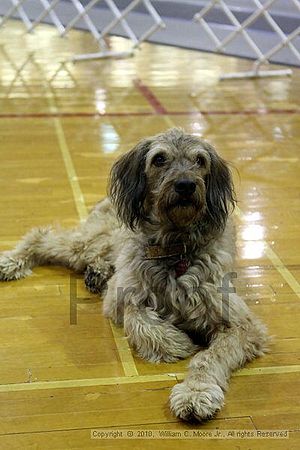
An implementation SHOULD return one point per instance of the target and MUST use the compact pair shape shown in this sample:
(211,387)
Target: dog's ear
(220,195)
(127,186)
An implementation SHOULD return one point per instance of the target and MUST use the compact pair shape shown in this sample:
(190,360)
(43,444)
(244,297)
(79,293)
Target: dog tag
(181,267)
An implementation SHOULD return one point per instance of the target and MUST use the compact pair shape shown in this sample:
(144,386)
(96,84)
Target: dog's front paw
(96,277)
(168,347)
(196,402)
(12,268)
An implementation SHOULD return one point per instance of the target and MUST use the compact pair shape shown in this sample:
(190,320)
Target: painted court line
(124,351)
(77,194)
(39,385)
(277,262)
(172,377)
(150,97)
(49,115)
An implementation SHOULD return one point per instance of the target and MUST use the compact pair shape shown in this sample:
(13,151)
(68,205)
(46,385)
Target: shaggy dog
(161,246)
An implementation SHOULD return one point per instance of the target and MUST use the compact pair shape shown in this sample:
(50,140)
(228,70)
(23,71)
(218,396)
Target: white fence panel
(84,11)
(241,30)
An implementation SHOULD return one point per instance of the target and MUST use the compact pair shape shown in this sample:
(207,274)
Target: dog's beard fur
(176,210)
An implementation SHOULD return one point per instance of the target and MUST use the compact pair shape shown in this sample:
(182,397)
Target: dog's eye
(201,161)
(159,160)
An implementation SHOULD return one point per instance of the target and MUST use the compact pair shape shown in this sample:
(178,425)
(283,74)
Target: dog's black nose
(185,187)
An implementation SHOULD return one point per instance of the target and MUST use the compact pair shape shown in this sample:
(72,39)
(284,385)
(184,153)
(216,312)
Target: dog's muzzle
(185,187)
(185,193)
(181,201)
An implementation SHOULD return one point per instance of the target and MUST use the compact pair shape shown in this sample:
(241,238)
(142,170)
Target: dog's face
(175,172)
(172,179)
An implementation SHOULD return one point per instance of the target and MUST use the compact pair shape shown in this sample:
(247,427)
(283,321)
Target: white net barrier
(238,31)
(86,11)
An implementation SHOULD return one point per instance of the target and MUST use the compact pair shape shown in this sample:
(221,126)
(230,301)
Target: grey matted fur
(171,188)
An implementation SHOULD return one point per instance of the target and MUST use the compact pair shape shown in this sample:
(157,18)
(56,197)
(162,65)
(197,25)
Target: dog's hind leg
(43,246)
(86,248)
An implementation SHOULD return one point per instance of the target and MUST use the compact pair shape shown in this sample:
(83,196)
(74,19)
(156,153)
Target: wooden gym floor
(62,127)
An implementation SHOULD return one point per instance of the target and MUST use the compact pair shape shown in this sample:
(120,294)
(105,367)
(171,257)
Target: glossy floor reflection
(62,126)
